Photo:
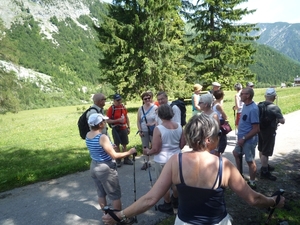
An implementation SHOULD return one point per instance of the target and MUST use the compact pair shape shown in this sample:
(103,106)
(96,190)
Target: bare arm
(138,120)
(156,145)
(237,183)
(196,103)
(220,109)
(254,131)
(148,200)
(182,142)
(108,148)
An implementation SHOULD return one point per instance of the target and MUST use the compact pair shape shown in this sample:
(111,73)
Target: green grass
(38,145)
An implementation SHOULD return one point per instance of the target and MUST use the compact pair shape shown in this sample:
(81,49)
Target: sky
(270,11)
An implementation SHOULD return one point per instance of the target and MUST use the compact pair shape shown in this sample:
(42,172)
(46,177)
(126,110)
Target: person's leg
(249,150)
(116,204)
(145,143)
(166,206)
(252,170)
(102,201)
(98,173)
(267,151)
(264,160)
(167,197)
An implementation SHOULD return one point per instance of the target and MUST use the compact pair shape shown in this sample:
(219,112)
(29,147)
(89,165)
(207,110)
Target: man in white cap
(270,116)
(215,86)
(250,85)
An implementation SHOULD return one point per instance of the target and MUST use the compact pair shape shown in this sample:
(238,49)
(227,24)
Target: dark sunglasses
(103,99)
(146,98)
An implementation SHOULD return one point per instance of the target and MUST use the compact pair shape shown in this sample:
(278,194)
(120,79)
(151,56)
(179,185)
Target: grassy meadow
(38,145)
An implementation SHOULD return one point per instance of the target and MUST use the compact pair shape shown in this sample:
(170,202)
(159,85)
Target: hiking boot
(271,168)
(166,208)
(127,221)
(253,186)
(128,161)
(118,162)
(145,166)
(267,175)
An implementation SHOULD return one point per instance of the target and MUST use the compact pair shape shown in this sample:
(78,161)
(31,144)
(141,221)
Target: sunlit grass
(42,144)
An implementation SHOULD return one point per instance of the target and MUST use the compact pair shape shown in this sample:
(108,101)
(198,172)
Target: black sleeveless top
(201,206)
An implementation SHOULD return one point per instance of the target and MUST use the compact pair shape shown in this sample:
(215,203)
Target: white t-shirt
(170,143)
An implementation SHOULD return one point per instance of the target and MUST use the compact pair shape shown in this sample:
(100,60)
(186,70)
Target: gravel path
(72,199)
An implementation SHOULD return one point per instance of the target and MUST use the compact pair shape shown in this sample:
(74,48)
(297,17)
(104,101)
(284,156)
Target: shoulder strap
(180,167)
(144,114)
(220,173)
(93,108)
(113,111)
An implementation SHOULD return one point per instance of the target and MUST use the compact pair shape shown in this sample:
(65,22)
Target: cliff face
(12,11)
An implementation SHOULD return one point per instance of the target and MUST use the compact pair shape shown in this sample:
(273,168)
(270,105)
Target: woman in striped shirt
(103,165)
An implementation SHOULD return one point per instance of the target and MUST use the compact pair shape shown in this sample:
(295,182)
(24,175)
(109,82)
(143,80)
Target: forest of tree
(155,45)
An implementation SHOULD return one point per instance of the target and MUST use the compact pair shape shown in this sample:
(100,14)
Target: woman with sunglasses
(201,179)
(146,122)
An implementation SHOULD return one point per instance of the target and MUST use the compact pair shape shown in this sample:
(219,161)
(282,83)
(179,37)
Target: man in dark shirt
(266,137)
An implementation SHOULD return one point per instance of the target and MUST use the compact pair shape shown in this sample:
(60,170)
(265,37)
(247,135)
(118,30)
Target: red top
(115,112)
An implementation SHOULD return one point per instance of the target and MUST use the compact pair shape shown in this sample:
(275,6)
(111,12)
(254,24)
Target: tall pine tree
(142,45)
(222,47)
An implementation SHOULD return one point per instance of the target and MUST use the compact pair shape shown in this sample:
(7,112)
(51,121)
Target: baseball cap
(216,84)
(270,92)
(96,118)
(117,97)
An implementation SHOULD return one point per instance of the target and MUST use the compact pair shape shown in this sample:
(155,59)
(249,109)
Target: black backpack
(82,123)
(181,105)
(264,118)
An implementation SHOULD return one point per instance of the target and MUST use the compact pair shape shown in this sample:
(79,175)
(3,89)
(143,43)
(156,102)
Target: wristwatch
(244,138)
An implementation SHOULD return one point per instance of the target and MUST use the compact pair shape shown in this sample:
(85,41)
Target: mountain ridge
(57,38)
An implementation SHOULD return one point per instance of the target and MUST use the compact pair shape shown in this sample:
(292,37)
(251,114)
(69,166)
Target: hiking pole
(134,183)
(150,177)
(278,193)
(241,161)
(234,119)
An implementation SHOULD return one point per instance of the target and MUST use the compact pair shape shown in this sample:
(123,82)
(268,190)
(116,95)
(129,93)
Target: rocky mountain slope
(284,37)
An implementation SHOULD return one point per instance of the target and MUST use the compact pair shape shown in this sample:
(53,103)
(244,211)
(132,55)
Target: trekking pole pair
(150,177)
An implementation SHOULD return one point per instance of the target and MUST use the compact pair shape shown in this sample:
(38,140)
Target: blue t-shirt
(249,116)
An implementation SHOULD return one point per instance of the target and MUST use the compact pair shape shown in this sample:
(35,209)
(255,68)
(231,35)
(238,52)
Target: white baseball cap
(216,84)
(96,118)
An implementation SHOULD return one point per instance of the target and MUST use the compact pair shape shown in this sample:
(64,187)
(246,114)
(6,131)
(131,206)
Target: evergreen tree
(142,45)
(221,48)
